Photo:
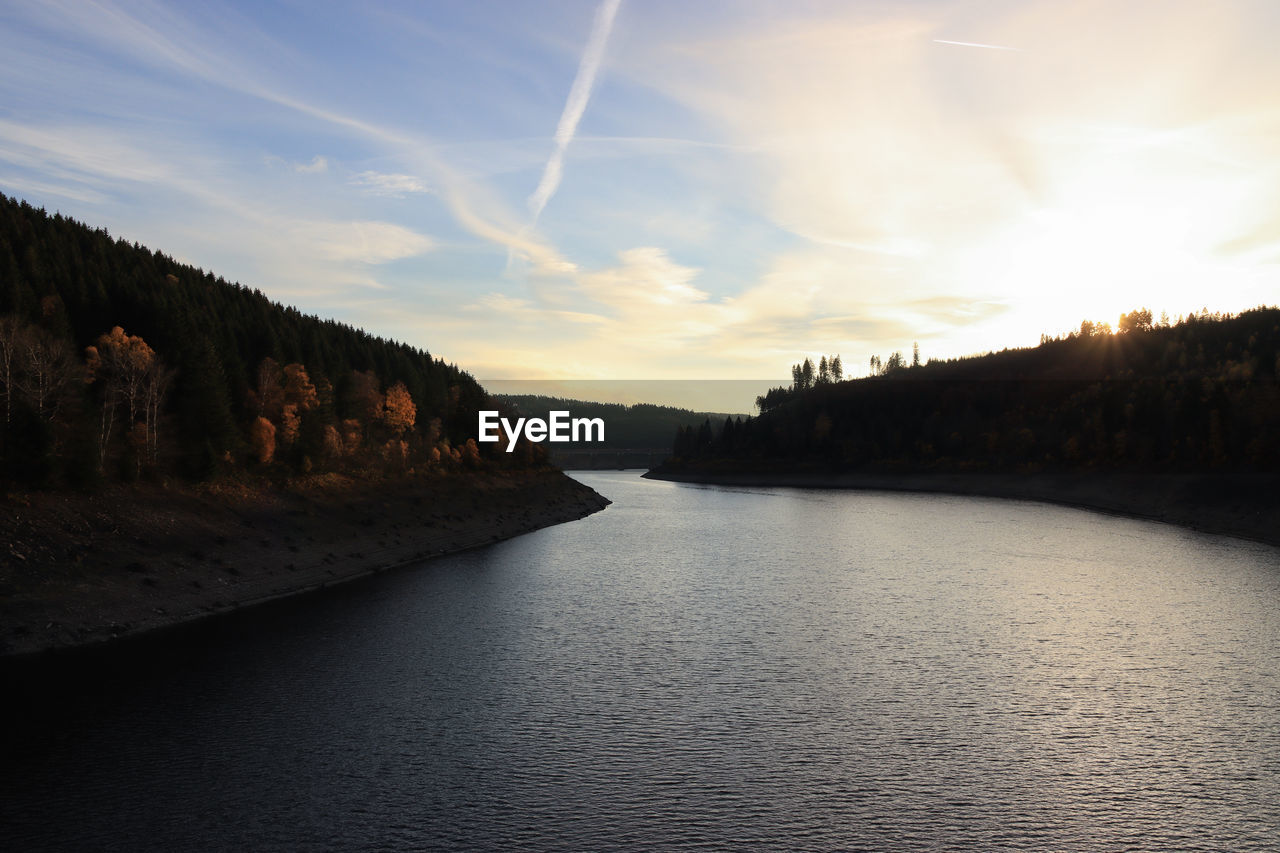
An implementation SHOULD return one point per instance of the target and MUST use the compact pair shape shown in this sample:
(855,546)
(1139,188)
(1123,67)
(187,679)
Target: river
(700,668)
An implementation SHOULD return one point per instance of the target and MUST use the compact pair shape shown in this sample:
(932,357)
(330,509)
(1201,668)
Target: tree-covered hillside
(1200,394)
(118,361)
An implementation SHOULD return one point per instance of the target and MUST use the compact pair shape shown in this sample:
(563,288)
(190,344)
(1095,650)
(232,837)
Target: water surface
(705,667)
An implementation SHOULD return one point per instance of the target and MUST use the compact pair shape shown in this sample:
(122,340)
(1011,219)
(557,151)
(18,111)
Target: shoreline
(79,571)
(1244,506)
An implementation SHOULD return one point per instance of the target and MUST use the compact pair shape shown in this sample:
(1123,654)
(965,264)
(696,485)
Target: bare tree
(35,367)
(9,333)
(48,369)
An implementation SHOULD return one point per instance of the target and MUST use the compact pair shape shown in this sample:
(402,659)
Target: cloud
(83,150)
(646,280)
(166,40)
(650,317)
(575,106)
(318,164)
(1109,161)
(42,188)
(363,242)
(389,185)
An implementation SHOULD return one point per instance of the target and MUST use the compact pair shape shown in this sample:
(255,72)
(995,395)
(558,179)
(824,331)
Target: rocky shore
(80,569)
(1241,505)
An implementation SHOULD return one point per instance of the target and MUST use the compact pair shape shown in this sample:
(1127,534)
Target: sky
(617,189)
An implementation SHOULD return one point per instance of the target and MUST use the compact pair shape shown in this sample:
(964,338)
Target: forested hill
(1197,395)
(118,361)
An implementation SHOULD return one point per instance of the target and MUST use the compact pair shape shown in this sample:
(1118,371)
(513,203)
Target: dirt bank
(1242,505)
(77,569)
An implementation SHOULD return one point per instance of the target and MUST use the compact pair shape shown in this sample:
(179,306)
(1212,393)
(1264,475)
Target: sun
(1117,235)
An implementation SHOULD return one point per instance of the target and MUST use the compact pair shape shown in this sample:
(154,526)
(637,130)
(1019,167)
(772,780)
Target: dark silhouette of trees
(202,364)
(1200,394)
(1135,321)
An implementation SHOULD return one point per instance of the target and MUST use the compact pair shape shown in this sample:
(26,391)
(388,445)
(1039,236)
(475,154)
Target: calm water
(705,668)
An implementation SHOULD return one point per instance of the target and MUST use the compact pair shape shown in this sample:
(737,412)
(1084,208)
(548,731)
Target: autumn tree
(290,424)
(333,448)
(298,388)
(471,453)
(399,412)
(262,440)
(130,375)
(350,435)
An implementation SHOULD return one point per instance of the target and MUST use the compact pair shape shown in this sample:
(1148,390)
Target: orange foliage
(121,352)
(350,436)
(332,442)
(298,389)
(396,453)
(471,453)
(131,374)
(262,438)
(290,423)
(399,413)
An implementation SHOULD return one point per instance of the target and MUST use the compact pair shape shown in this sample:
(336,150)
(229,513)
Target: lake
(701,668)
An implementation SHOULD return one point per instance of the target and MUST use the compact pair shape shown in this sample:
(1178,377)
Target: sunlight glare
(1120,235)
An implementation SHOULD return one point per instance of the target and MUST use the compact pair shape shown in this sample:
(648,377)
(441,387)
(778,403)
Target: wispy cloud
(769,179)
(12,183)
(976,44)
(389,185)
(168,40)
(575,106)
(363,241)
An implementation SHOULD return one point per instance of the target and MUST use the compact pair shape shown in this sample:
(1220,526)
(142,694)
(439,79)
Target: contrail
(576,104)
(976,44)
